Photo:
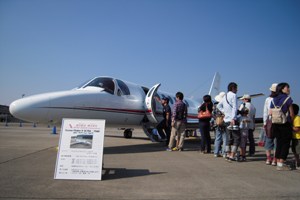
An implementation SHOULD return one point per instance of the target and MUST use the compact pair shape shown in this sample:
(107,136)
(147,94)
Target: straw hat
(220,96)
(273,87)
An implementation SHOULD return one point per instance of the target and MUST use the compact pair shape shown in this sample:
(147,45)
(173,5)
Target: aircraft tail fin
(215,85)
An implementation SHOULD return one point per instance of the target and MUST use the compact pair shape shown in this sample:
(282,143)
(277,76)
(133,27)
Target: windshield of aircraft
(124,88)
(106,83)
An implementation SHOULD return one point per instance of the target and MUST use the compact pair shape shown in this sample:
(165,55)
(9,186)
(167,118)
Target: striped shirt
(179,111)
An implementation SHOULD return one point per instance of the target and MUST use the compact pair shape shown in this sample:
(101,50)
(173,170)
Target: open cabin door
(151,104)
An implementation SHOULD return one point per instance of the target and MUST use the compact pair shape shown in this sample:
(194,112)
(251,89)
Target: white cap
(220,96)
(246,96)
(273,87)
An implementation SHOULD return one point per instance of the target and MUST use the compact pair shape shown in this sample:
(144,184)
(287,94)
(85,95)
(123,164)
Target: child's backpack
(219,120)
(219,117)
(278,117)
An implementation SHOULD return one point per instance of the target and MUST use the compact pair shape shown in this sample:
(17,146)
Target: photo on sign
(81,142)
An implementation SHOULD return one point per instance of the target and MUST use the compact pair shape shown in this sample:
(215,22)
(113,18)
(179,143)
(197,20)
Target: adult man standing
(164,127)
(179,121)
(252,111)
(228,106)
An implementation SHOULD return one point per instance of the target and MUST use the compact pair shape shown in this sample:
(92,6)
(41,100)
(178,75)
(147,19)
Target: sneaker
(230,159)
(243,159)
(268,162)
(168,149)
(180,149)
(283,168)
(216,155)
(175,149)
(237,159)
(274,163)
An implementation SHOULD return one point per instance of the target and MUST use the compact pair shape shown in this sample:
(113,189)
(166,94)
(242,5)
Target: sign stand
(80,154)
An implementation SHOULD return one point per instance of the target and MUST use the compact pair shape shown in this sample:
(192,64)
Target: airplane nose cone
(29,109)
(13,109)
(17,109)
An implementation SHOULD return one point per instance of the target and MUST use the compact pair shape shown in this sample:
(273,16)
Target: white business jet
(122,104)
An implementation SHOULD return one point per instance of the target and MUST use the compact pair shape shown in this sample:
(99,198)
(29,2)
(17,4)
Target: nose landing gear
(128,133)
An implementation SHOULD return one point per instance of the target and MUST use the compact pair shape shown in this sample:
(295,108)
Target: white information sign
(80,152)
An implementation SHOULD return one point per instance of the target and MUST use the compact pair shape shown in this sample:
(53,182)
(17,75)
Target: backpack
(219,118)
(278,117)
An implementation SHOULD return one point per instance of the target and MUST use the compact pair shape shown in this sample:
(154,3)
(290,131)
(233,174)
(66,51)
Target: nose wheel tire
(128,133)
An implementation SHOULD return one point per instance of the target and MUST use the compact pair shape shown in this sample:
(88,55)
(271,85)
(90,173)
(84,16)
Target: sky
(54,45)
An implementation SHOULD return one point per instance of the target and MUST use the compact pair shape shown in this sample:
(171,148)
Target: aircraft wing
(253,95)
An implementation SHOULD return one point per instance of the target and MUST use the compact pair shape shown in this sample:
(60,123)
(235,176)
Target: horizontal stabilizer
(253,95)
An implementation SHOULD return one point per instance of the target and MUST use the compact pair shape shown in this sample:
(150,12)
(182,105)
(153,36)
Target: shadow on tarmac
(139,148)
(190,144)
(118,173)
(135,138)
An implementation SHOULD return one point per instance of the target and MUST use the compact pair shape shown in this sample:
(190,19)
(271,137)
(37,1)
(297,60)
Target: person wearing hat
(244,121)
(252,111)
(219,97)
(269,141)
(220,129)
(164,127)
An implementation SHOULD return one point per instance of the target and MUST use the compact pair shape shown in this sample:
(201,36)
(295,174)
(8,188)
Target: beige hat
(220,96)
(273,87)
(246,96)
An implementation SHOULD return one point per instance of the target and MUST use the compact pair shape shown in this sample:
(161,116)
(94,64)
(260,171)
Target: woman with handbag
(270,144)
(205,115)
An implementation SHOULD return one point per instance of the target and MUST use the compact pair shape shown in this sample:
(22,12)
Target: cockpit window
(106,83)
(124,88)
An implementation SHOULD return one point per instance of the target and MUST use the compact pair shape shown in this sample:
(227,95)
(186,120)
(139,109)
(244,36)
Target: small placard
(80,152)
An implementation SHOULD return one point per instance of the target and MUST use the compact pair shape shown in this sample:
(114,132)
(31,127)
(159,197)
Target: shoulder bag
(204,114)
(268,128)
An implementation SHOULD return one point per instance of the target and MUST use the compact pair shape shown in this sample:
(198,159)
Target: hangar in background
(5,115)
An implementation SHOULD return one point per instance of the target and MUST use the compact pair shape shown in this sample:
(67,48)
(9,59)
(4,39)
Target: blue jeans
(219,139)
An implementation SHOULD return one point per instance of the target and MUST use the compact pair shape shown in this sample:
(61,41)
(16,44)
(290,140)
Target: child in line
(296,136)
(244,128)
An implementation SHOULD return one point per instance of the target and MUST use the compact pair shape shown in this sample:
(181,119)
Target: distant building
(5,115)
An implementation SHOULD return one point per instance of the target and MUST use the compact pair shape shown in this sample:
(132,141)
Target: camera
(233,128)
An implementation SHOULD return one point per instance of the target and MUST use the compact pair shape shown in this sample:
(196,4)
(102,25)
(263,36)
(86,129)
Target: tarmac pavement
(136,168)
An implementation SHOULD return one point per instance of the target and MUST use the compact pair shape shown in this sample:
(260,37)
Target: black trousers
(164,130)
(283,134)
(205,136)
(251,142)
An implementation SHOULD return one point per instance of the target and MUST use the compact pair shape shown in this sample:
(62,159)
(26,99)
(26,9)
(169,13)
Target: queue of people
(235,125)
